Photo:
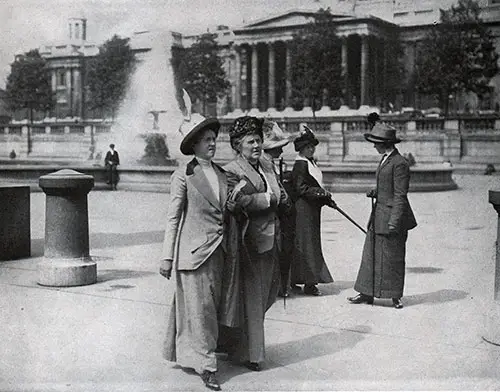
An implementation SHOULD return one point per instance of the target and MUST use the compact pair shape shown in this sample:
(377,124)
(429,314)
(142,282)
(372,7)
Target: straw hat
(192,136)
(274,136)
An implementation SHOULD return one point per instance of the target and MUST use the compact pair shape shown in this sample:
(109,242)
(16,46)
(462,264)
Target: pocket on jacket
(198,247)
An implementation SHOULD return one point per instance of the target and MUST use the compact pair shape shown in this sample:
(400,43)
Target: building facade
(257,57)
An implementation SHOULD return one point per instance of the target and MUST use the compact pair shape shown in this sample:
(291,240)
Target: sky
(28,24)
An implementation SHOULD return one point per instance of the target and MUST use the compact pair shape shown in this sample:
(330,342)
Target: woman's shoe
(295,288)
(210,380)
(255,366)
(361,299)
(312,290)
(396,302)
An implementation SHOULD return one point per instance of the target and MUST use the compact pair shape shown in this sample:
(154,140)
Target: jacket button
(220,231)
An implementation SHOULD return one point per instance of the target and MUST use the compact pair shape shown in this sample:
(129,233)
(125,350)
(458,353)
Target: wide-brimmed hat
(305,138)
(382,133)
(274,136)
(192,136)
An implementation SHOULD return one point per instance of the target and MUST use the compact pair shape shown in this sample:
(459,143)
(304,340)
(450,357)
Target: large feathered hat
(193,135)
(274,136)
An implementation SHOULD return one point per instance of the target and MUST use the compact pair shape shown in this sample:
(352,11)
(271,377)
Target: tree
(199,70)
(458,55)
(316,69)
(109,75)
(28,86)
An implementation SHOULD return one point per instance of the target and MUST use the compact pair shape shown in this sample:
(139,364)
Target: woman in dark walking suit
(382,270)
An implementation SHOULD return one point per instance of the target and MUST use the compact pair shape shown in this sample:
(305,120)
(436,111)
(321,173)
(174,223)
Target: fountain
(149,113)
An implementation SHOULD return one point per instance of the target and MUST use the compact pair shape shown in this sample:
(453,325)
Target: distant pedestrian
(111,162)
(382,270)
(308,264)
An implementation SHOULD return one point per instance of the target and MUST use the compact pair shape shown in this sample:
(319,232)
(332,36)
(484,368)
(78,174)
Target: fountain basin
(337,178)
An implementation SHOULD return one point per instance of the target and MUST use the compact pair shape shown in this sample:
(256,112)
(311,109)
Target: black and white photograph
(249,195)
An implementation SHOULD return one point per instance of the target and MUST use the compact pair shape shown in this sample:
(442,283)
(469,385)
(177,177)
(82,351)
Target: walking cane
(372,223)
(336,207)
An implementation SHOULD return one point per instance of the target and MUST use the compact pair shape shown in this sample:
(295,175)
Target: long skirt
(261,279)
(389,277)
(192,327)
(308,263)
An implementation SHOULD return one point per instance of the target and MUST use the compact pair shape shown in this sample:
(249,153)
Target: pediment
(290,18)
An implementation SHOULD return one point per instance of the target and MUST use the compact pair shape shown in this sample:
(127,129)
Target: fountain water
(150,106)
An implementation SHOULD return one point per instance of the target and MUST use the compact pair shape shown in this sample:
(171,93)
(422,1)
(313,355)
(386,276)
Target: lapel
(199,180)
(391,155)
(222,184)
(271,178)
(250,173)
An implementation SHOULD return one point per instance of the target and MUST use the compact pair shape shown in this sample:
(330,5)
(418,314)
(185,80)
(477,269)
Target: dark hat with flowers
(305,138)
(245,125)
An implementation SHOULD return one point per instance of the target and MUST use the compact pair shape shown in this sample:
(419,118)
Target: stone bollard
(66,259)
(492,333)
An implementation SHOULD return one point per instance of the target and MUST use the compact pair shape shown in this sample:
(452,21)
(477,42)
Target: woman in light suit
(382,270)
(260,200)
(194,247)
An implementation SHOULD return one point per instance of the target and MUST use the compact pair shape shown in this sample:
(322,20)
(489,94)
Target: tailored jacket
(195,219)
(263,228)
(392,206)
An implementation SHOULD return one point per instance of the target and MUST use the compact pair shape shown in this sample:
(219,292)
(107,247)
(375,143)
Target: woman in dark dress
(308,265)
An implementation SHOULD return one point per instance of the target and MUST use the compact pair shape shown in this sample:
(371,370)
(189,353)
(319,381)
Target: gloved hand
(372,194)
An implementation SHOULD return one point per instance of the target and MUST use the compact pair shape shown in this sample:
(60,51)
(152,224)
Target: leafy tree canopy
(316,61)
(199,70)
(110,73)
(457,55)
(28,84)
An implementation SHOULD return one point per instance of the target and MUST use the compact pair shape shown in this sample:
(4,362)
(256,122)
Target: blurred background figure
(111,162)
(372,119)
(308,265)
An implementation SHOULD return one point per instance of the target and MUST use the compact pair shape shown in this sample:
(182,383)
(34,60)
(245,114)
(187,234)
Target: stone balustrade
(468,142)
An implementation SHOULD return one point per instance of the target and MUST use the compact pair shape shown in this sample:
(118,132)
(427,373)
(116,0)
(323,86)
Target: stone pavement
(108,336)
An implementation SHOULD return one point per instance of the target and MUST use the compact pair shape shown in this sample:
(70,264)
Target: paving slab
(108,336)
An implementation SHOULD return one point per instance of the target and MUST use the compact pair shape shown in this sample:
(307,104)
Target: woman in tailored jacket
(196,247)
(260,198)
(382,270)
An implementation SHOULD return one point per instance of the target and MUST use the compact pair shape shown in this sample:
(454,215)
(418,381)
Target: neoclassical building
(257,56)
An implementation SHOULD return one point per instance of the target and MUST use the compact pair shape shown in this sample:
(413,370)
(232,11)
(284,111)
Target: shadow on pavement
(108,240)
(440,296)
(117,274)
(424,270)
(288,353)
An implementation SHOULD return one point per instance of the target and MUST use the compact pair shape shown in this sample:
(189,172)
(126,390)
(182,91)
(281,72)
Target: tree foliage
(28,84)
(109,75)
(199,70)
(316,69)
(458,55)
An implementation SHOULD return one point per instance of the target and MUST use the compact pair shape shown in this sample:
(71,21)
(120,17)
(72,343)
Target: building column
(345,70)
(272,76)
(237,81)
(255,76)
(375,99)
(77,93)
(364,70)
(69,92)
(288,86)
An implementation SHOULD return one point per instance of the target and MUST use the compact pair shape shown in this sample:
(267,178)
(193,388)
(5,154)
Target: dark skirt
(308,264)
(388,280)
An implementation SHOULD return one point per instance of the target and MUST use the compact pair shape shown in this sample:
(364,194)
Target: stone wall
(469,142)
